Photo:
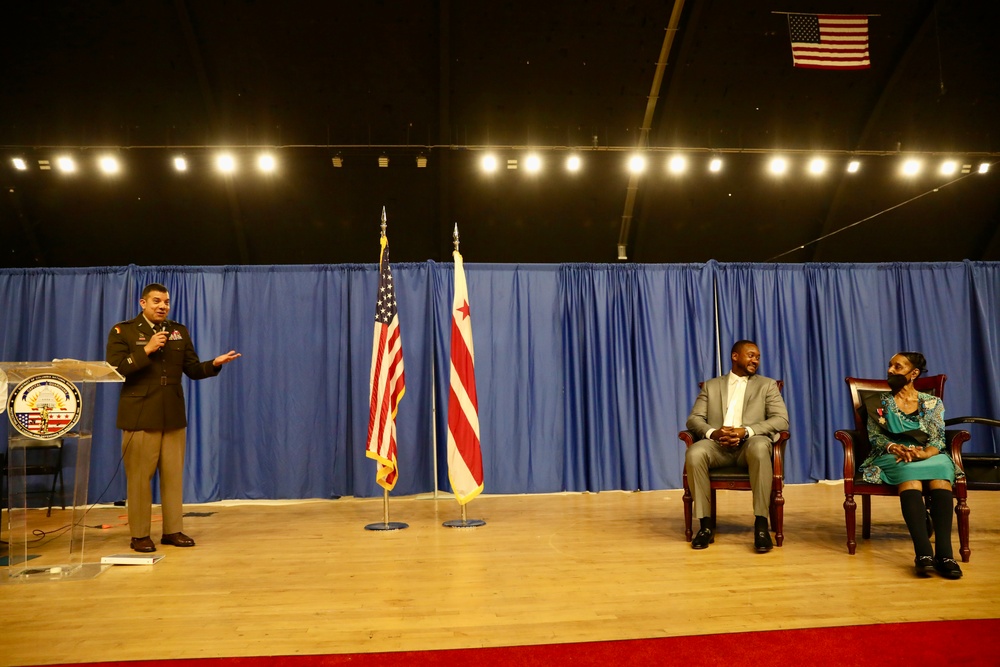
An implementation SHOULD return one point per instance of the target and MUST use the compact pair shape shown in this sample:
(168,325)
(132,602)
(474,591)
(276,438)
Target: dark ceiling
(148,80)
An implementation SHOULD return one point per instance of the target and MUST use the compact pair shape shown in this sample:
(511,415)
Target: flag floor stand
(386,524)
(464,522)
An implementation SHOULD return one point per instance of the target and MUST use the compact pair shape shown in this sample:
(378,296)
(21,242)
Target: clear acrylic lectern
(49,405)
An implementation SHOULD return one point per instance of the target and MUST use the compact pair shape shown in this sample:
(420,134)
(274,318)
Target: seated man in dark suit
(736,416)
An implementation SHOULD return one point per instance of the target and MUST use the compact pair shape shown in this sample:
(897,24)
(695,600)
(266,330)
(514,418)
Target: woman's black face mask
(896,381)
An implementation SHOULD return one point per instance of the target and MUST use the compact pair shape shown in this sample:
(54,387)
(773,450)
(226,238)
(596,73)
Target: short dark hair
(740,344)
(917,360)
(153,287)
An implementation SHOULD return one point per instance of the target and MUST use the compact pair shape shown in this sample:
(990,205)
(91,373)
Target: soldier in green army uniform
(152,352)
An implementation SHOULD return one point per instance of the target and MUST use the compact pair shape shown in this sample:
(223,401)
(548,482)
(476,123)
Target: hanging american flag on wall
(387,382)
(465,460)
(829,41)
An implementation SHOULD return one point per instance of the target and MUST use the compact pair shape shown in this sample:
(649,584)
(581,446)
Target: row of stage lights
(227,163)
(111,165)
(679,164)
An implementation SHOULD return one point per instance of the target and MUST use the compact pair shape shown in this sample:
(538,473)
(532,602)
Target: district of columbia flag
(387,382)
(829,41)
(465,459)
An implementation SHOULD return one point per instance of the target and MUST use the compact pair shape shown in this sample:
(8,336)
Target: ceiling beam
(647,122)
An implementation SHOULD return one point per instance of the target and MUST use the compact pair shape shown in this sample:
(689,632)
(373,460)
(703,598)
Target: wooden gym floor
(304,577)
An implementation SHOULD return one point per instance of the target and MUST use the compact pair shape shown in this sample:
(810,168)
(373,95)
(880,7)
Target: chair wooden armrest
(848,439)
(954,439)
(778,453)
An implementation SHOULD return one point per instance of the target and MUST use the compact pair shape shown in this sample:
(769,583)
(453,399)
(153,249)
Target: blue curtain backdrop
(585,373)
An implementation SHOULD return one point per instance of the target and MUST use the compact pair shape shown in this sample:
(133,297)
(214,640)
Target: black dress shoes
(762,541)
(704,537)
(142,544)
(177,540)
(923,565)
(948,568)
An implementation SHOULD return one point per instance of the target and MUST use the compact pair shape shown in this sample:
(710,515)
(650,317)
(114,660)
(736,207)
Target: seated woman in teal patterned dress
(906,430)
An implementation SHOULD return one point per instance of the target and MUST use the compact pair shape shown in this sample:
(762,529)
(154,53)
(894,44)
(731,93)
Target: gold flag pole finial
(454,235)
(383,221)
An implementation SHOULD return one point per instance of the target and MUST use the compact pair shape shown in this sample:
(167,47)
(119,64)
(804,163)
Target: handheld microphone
(164,328)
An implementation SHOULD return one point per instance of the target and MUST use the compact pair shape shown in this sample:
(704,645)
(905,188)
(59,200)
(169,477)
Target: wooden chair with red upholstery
(856,450)
(734,478)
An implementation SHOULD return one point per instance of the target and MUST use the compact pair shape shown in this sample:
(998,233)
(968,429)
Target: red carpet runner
(966,643)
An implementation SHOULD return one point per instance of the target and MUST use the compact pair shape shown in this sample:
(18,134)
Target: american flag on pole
(829,41)
(387,382)
(465,460)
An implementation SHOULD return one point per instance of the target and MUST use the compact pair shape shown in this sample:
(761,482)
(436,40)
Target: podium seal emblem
(44,407)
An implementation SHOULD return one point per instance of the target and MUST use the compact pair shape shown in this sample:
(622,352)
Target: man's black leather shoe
(704,537)
(923,565)
(762,541)
(142,544)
